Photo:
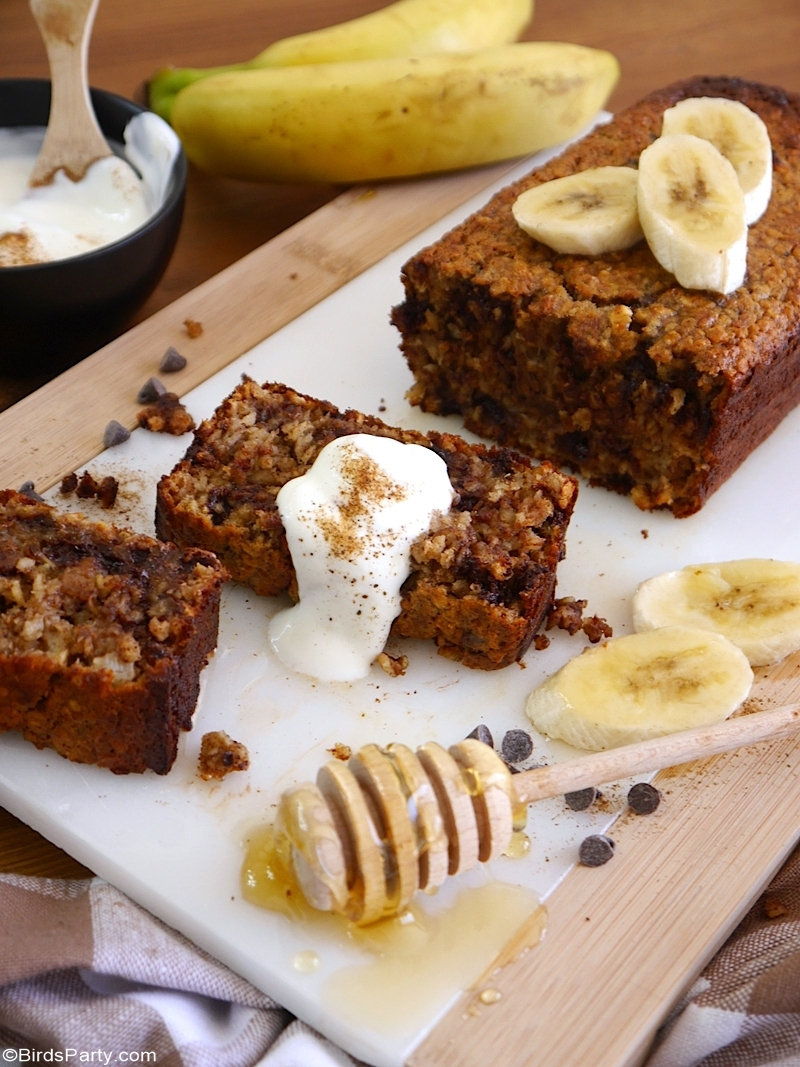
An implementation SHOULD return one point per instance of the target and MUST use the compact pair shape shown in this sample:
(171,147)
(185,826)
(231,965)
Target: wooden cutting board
(621,943)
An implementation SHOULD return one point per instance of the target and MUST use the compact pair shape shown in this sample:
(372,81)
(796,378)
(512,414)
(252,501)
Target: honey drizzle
(494,923)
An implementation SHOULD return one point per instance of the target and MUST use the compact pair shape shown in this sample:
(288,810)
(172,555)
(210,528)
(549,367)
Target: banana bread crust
(483,578)
(604,364)
(103,635)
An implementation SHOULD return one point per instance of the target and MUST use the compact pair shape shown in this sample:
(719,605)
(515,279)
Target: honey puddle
(420,960)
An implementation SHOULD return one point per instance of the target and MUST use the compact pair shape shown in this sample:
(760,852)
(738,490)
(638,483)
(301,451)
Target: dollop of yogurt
(65,218)
(350,522)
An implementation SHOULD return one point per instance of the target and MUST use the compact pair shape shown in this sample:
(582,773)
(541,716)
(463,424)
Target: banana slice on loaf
(587,213)
(755,603)
(739,134)
(641,686)
(691,209)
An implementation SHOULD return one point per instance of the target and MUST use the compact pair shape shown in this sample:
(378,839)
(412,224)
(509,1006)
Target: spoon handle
(73,140)
(661,752)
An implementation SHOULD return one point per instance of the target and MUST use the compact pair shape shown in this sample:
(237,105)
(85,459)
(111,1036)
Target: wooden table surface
(224,220)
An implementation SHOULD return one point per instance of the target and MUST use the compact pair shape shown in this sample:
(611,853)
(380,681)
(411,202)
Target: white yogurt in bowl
(65,218)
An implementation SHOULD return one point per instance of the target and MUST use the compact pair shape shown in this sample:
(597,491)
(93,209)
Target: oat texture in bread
(604,364)
(103,636)
(482,578)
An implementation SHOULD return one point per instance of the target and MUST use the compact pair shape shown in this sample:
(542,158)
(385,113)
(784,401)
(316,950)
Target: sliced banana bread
(482,579)
(103,635)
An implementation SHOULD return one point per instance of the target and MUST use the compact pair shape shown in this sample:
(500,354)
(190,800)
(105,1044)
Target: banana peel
(403,28)
(378,119)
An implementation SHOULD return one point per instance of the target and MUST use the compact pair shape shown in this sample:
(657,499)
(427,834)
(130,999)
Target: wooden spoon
(73,140)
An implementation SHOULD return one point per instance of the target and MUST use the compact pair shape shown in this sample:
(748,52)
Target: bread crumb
(166,415)
(774,908)
(394,666)
(341,751)
(105,490)
(220,755)
(567,614)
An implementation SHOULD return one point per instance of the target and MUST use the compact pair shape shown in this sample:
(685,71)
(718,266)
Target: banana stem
(165,85)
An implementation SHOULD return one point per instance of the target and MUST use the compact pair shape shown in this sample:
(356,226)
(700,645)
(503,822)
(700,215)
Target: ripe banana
(403,28)
(641,686)
(739,133)
(389,118)
(587,213)
(755,603)
(692,212)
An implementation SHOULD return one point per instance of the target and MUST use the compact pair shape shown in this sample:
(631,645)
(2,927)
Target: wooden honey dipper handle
(653,755)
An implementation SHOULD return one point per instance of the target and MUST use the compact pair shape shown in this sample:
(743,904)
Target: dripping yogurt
(350,522)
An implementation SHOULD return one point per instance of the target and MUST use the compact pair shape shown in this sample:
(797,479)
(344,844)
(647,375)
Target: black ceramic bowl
(54,314)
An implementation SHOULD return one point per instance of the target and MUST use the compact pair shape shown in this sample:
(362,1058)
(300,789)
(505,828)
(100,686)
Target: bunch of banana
(386,118)
(697,188)
(402,28)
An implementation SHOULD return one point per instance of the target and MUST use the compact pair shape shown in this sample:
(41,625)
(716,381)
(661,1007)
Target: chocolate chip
(643,798)
(517,746)
(150,391)
(171,361)
(482,733)
(596,850)
(114,434)
(581,799)
(29,489)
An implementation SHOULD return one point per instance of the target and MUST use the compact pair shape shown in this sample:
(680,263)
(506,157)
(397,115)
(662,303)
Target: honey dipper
(391,821)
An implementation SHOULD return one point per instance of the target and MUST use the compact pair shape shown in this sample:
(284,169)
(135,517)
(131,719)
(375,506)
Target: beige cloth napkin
(86,972)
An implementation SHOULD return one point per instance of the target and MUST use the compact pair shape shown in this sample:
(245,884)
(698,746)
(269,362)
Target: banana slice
(691,208)
(755,603)
(739,133)
(641,686)
(587,213)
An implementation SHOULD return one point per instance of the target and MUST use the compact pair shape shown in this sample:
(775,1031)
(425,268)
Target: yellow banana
(403,28)
(388,118)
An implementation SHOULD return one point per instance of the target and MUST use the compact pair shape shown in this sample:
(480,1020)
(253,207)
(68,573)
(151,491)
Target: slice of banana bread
(103,635)
(604,364)
(482,580)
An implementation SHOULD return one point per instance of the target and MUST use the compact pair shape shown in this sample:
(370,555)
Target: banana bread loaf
(604,364)
(482,580)
(103,634)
